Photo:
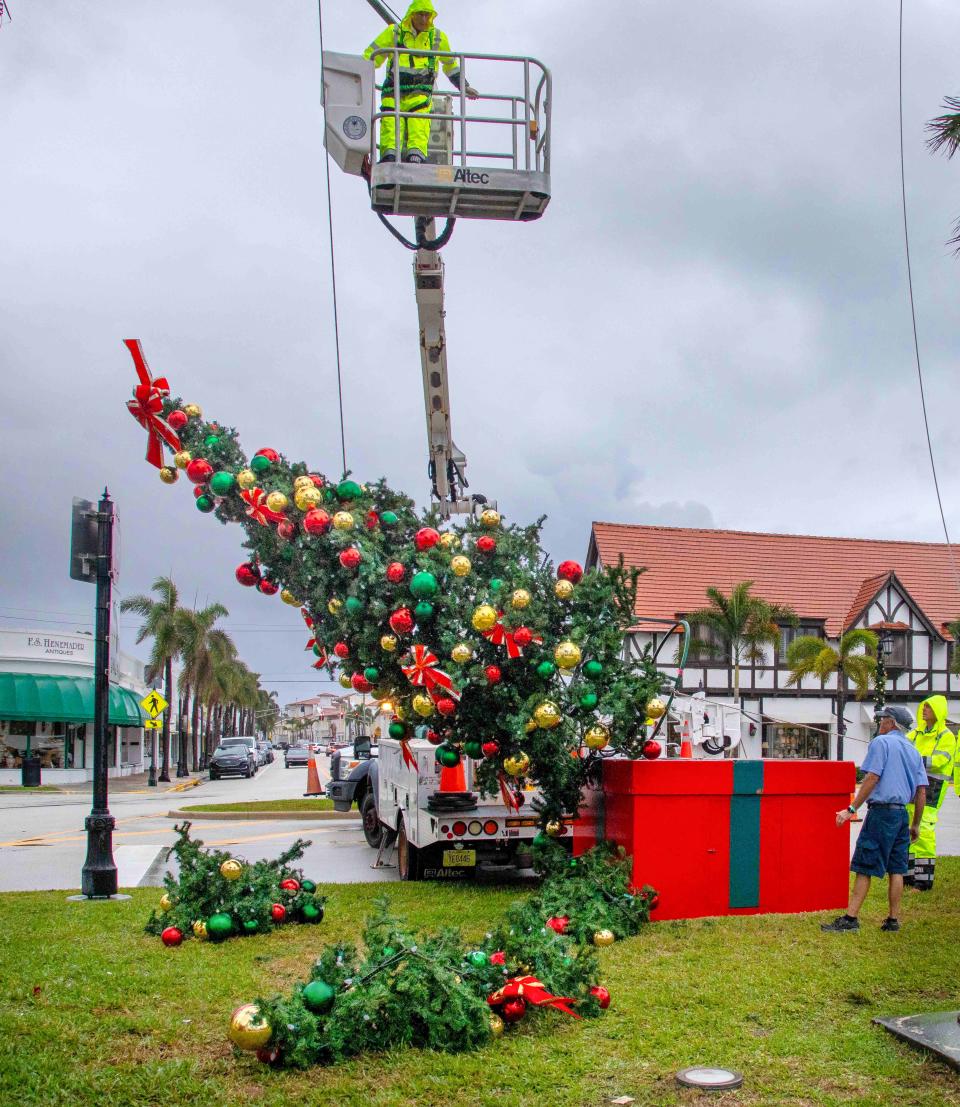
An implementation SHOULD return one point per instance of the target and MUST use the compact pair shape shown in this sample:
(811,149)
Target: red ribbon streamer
(508,796)
(257,499)
(147,406)
(530,990)
(500,636)
(424,673)
(408,759)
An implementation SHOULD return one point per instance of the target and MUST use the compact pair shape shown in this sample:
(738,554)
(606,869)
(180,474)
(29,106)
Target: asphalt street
(43,843)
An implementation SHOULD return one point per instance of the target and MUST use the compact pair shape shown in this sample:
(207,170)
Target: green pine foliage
(199,891)
(349,609)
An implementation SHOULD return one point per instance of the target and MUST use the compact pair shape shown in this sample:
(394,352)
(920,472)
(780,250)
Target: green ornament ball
(308,886)
(206,504)
(542,839)
(222,483)
(318,996)
(372,674)
(473,747)
(496,584)
(261,464)
(423,610)
(593,668)
(423,585)
(397,730)
(589,700)
(447,756)
(219,926)
(312,912)
(354,605)
(389,518)
(348,490)
(212,440)
(250,926)
(546,669)
(477,958)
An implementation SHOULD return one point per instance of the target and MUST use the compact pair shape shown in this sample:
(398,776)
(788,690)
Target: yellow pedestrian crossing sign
(153,724)
(154,704)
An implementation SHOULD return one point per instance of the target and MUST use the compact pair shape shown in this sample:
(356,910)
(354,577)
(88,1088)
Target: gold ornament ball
(165,902)
(547,715)
(182,459)
(400,711)
(288,597)
(247,478)
(484,617)
(307,497)
(461,565)
(388,643)
(461,653)
(656,708)
(343,520)
(193,410)
(520,599)
(603,938)
(529,726)
(345,681)
(231,869)
(200,930)
(496,1026)
(449,541)
(554,828)
(518,764)
(302,482)
(563,589)
(277,501)
(423,706)
(334,606)
(169,475)
(248,1030)
(597,737)
(567,655)
(490,518)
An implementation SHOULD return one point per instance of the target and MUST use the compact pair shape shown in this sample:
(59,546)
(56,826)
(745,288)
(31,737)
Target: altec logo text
(471,176)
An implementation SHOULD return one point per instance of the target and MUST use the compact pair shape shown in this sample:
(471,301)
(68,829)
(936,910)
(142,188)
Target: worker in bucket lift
(937,746)
(417,76)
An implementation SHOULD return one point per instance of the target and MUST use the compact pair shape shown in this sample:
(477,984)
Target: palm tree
(744,625)
(268,711)
(945,135)
(854,659)
(161,623)
(200,643)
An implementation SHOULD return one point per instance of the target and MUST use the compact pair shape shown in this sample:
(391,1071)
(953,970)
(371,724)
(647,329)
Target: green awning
(64,699)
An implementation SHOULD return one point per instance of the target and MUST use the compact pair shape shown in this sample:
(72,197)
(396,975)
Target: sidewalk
(138,783)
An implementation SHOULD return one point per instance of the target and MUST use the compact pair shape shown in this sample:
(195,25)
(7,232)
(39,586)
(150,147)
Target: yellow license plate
(459,857)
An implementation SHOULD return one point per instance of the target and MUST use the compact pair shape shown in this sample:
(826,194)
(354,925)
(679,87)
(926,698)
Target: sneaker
(890,924)
(414,158)
(842,922)
(387,158)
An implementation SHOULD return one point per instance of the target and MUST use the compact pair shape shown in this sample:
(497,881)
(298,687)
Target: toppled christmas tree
(217,896)
(470,632)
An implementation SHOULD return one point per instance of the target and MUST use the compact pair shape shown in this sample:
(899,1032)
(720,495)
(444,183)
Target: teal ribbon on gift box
(745,834)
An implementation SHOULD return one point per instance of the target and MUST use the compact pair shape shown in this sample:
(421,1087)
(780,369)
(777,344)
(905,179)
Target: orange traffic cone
(313,779)
(686,746)
(453,780)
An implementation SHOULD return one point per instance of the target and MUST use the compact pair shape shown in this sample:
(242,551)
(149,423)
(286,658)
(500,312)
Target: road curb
(275,816)
(184,785)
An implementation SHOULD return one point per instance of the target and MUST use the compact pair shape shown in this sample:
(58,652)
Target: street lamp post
(880,680)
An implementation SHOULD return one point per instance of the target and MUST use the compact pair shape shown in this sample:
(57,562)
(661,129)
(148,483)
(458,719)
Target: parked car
(266,751)
(250,746)
(232,758)
(281,745)
(295,755)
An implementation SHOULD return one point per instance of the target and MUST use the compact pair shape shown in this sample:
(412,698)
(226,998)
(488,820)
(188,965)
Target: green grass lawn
(264,805)
(92,1011)
(4,788)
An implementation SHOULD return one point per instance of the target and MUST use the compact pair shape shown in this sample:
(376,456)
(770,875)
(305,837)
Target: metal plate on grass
(936,1031)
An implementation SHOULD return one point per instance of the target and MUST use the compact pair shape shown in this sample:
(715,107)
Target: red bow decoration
(408,759)
(257,499)
(424,672)
(320,662)
(500,636)
(530,990)
(147,406)
(507,792)
(307,617)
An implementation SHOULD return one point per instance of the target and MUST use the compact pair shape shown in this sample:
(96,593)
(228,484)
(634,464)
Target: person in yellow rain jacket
(937,745)
(417,76)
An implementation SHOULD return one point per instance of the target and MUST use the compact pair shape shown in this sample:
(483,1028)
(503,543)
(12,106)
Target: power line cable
(913,317)
(333,260)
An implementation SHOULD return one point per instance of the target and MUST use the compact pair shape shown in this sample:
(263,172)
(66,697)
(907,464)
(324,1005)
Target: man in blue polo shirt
(895,776)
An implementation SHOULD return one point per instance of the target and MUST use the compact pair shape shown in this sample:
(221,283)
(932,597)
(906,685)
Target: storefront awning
(65,699)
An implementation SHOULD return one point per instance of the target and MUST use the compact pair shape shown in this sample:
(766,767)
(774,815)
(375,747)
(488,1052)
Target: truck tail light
(521,822)
(444,829)
(490,827)
(459,829)
(475,828)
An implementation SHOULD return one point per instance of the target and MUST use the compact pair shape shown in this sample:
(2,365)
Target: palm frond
(945,129)
(855,641)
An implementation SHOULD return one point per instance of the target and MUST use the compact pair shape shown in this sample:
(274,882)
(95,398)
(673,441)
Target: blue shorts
(883,844)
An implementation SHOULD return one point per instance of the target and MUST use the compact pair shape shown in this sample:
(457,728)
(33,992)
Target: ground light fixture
(708,1078)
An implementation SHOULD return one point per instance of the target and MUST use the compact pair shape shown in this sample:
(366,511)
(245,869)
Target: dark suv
(234,757)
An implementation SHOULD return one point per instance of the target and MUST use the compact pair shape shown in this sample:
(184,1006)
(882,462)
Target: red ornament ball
(498,958)
(271,455)
(486,544)
(268,587)
(342,650)
(513,1010)
(372,520)
(316,521)
(269,1055)
(360,683)
(559,923)
(601,995)
(178,419)
(200,490)
(317,480)
(351,557)
(426,538)
(401,621)
(287,529)
(396,572)
(446,706)
(290,885)
(651,749)
(493,674)
(523,636)
(278,912)
(491,749)
(433,738)
(571,571)
(248,574)
(199,471)
(654,902)
(172,936)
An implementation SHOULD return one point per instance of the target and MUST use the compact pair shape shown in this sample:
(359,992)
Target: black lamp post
(880,680)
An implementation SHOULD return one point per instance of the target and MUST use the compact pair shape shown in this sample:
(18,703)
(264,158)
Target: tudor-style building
(906,590)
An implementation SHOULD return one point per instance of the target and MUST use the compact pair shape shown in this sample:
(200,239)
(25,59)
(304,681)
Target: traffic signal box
(726,837)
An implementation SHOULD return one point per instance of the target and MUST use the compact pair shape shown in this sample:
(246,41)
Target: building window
(789,634)
(795,742)
(899,656)
(706,646)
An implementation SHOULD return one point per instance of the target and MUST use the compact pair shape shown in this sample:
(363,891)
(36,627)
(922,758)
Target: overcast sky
(709,327)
